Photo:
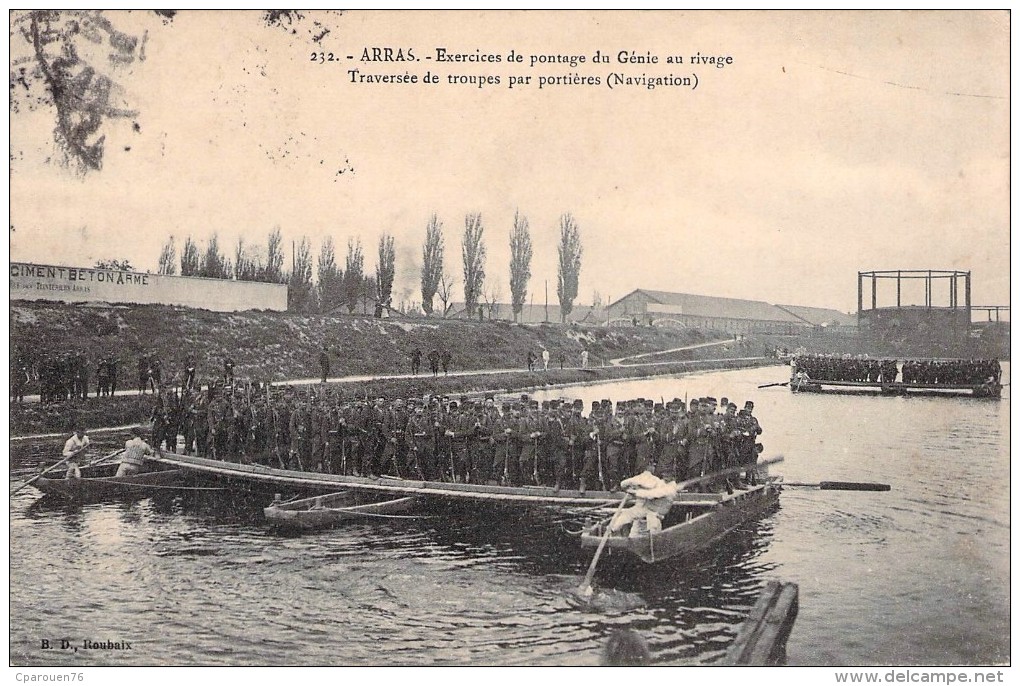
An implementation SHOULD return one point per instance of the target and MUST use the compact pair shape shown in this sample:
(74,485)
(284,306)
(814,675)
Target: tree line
(334,287)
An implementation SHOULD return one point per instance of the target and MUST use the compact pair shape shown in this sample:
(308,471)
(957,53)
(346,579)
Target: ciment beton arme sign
(86,284)
(51,278)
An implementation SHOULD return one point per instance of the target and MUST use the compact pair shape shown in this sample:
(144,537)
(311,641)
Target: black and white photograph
(476,338)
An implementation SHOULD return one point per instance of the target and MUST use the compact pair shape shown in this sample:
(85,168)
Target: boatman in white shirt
(135,450)
(654,499)
(74,449)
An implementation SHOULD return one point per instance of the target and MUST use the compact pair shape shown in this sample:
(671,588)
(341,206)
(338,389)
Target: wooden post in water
(761,641)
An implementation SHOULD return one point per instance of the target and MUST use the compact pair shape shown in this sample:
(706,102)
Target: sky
(834,142)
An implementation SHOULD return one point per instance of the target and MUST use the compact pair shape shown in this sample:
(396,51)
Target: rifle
(534,470)
(506,461)
(598,448)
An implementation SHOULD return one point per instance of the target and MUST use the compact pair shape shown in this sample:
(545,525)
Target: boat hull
(323,512)
(706,526)
(992,391)
(100,483)
(254,477)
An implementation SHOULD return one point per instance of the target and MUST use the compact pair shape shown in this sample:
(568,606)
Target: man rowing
(135,450)
(74,448)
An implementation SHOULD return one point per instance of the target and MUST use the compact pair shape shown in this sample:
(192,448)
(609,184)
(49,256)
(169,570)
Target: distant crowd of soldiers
(866,369)
(67,376)
(62,377)
(467,441)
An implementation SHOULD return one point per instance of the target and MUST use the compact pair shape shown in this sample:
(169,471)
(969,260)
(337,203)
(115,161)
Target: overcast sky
(834,142)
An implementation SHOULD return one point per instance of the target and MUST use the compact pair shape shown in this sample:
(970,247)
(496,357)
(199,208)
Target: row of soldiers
(970,372)
(67,376)
(846,368)
(438,439)
(61,377)
(866,369)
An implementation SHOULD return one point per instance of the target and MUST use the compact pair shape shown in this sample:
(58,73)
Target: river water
(915,576)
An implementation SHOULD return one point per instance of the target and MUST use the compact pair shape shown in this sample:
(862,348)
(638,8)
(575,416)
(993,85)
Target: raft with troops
(886,376)
(519,451)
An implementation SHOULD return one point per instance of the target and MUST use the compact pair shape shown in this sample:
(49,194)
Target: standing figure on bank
(545,359)
(532,358)
(445,358)
(415,361)
(434,362)
(228,371)
(324,363)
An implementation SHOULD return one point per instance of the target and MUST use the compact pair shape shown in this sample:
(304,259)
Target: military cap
(650,403)
(453,405)
(733,405)
(659,407)
(594,404)
(490,398)
(525,398)
(724,401)
(533,403)
(709,399)
(606,402)
(505,407)
(749,404)
(463,399)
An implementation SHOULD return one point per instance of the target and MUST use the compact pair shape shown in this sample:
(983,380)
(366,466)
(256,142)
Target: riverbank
(35,419)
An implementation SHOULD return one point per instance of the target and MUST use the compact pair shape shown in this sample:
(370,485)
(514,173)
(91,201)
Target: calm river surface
(915,576)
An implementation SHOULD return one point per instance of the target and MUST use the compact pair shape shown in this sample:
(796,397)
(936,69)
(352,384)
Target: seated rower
(74,448)
(654,500)
(135,450)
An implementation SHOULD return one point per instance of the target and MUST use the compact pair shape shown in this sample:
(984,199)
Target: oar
(100,460)
(48,469)
(840,485)
(585,589)
(731,470)
(770,385)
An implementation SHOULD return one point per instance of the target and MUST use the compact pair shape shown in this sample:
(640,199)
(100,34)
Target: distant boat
(100,482)
(324,511)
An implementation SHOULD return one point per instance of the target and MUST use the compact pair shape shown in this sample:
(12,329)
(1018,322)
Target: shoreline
(459,384)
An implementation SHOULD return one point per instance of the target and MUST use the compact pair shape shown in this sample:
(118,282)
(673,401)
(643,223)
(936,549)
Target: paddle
(585,590)
(49,469)
(100,460)
(770,385)
(840,486)
(731,470)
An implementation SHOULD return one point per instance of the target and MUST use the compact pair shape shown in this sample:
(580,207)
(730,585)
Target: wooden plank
(761,641)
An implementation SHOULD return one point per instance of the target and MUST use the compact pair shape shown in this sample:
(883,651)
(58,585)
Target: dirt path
(620,360)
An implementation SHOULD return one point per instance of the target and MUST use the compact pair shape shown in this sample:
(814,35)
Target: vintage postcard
(496,338)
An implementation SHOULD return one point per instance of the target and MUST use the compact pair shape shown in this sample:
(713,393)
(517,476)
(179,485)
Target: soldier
(111,366)
(434,361)
(415,361)
(200,421)
(189,373)
(298,432)
(419,437)
(445,358)
(228,371)
(19,379)
(102,380)
(324,363)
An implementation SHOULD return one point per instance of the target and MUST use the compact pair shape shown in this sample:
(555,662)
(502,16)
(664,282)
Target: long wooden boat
(100,482)
(324,511)
(271,479)
(986,390)
(694,523)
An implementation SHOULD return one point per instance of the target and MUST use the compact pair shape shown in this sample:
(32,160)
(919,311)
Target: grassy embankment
(278,346)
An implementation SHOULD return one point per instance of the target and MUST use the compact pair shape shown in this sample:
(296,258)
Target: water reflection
(918,575)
